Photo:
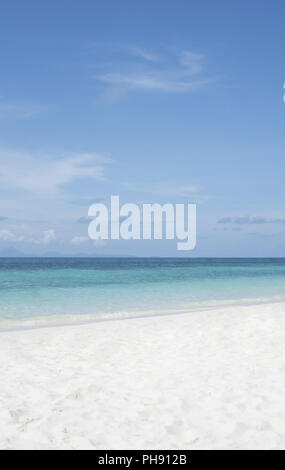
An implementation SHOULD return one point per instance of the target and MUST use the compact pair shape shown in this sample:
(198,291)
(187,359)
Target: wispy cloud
(143,54)
(20,110)
(8,236)
(169,188)
(174,189)
(153,81)
(83,201)
(181,73)
(79,240)
(192,62)
(84,219)
(40,173)
(48,236)
(246,220)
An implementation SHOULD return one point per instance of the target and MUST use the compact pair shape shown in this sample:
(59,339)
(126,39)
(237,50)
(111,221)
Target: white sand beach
(205,380)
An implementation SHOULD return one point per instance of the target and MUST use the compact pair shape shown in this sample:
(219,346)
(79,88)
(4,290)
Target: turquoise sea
(62,290)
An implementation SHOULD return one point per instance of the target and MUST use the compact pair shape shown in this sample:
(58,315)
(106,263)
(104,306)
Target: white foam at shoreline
(46,321)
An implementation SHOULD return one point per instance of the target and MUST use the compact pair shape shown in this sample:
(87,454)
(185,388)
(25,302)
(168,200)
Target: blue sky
(155,101)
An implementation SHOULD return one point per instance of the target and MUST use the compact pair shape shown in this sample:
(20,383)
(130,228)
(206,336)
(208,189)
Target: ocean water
(62,290)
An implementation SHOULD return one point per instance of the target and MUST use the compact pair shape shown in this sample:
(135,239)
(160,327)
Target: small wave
(76,319)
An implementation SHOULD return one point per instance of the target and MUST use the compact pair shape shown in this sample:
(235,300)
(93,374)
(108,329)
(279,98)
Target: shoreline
(205,380)
(77,320)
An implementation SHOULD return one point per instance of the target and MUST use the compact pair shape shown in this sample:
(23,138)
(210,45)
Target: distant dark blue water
(34,290)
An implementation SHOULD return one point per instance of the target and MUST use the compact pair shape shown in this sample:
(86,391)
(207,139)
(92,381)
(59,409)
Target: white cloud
(16,110)
(143,54)
(169,188)
(79,240)
(7,235)
(154,81)
(192,62)
(38,173)
(247,220)
(174,189)
(175,76)
(48,236)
